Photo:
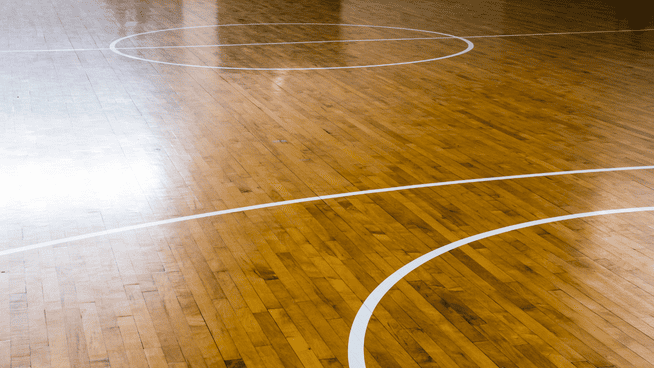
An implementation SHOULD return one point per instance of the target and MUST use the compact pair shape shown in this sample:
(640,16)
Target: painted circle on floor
(432,36)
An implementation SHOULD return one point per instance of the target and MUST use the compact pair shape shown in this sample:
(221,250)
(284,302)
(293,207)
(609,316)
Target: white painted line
(309,199)
(327,41)
(116,49)
(230,45)
(50,50)
(367,40)
(356,357)
(562,33)
(480,180)
(282,43)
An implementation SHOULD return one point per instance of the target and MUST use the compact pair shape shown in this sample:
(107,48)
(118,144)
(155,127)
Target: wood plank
(91,140)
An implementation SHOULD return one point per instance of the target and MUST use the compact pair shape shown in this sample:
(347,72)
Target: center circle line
(114,48)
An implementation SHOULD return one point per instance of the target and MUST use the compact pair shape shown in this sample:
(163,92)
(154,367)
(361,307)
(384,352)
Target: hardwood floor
(106,159)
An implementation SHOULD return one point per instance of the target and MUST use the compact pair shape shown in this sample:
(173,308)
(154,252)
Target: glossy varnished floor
(91,140)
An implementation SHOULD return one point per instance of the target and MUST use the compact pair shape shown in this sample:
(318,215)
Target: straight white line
(377,40)
(560,33)
(284,43)
(233,44)
(309,199)
(51,50)
(356,357)
(328,41)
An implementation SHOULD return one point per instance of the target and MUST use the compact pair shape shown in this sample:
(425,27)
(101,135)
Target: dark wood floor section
(91,140)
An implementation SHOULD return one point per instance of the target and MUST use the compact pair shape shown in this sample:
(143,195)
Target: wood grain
(91,141)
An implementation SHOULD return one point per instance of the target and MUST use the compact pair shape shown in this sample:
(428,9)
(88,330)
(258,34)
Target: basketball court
(405,183)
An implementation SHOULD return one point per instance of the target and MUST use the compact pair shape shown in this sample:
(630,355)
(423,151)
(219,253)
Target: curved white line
(115,49)
(356,358)
(309,199)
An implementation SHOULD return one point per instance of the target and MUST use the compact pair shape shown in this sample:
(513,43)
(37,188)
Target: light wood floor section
(91,140)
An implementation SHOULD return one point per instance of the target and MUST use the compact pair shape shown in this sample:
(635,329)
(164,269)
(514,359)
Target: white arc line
(309,199)
(356,357)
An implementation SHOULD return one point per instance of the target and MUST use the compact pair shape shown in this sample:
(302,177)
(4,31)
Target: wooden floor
(92,140)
